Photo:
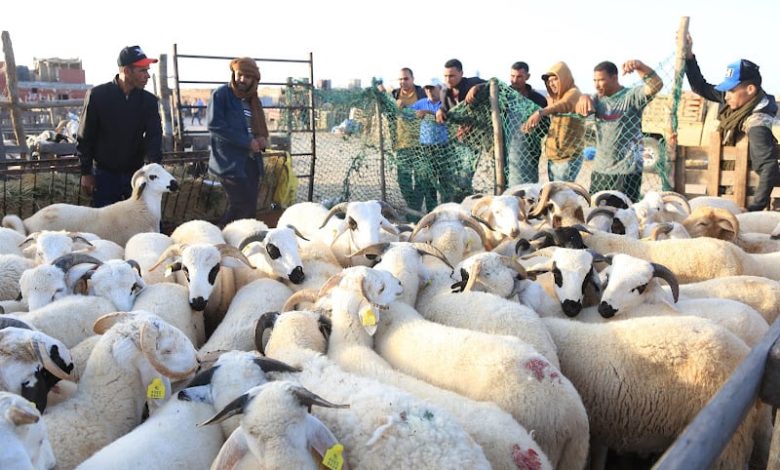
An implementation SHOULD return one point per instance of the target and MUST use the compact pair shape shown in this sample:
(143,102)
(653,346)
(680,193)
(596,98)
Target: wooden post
(13,93)
(165,100)
(382,182)
(713,165)
(741,173)
(679,64)
(178,133)
(498,138)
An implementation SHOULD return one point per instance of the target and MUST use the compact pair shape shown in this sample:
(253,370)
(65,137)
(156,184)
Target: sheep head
(559,202)
(712,222)
(630,282)
(153,178)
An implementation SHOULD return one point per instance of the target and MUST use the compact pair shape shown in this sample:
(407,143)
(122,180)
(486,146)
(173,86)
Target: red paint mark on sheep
(536,367)
(528,460)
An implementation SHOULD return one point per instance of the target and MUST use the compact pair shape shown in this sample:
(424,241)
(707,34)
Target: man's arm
(695,79)
(653,82)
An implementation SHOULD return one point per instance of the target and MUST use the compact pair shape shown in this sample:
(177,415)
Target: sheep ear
(203,378)
(325,326)
(664,273)
(233,408)
(22,415)
(368,318)
(82,285)
(108,320)
(140,190)
(265,323)
(232,452)
(322,440)
(272,365)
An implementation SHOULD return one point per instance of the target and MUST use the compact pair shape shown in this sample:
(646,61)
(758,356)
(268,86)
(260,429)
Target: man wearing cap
(239,134)
(120,125)
(745,108)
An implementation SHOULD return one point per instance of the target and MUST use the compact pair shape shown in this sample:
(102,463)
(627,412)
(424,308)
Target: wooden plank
(696,153)
(707,435)
(679,65)
(498,139)
(696,177)
(679,169)
(698,189)
(13,92)
(741,172)
(713,165)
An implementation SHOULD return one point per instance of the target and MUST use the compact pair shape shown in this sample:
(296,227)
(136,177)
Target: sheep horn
(78,238)
(426,249)
(663,228)
(512,263)
(332,282)
(541,205)
(108,320)
(170,252)
(66,262)
(305,295)
(483,201)
(474,224)
(297,233)
(134,264)
(425,222)
(605,210)
(668,196)
(255,237)
(204,377)
(6,322)
(20,416)
(608,197)
(233,252)
(376,249)
(483,222)
(577,188)
(148,342)
(388,211)
(43,356)
(29,239)
(309,399)
(664,273)
(265,322)
(272,365)
(474,271)
(231,409)
(340,208)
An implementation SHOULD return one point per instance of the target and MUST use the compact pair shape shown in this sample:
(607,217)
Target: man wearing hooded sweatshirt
(563,144)
(745,109)
(239,134)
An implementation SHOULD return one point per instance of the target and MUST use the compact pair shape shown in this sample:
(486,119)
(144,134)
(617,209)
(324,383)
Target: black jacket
(448,100)
(116,132)
(418,90)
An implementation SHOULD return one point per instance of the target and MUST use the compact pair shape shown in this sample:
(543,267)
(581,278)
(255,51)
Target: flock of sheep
(532,330)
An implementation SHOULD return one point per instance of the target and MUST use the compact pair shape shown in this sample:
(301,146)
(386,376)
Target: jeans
(564,170)
(242,193)
(629,184)
(110,187)
(522,159)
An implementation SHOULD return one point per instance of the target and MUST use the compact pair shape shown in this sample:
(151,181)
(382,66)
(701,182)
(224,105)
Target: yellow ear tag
(156,389)
(168,270)
(369,319)
(334,458)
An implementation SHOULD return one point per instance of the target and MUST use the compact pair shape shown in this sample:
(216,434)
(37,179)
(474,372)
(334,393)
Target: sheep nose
(173,186)
(606,310)
(515,232)
(198,304)
(297,276)
(572,308)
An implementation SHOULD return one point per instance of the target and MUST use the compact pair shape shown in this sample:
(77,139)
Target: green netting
(367,132)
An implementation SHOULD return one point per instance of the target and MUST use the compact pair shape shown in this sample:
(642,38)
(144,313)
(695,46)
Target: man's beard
(245,86)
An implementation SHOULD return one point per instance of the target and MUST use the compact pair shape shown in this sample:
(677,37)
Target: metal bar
(178,133)
(13,92)
(706,436)
(218,82)
(313,126)
(382,182)
(30,105)
(292,61)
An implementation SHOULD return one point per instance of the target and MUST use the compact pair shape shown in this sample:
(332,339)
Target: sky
(362,39)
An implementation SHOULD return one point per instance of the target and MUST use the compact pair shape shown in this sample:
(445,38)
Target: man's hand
(262,142)
(421,113)
(441,116)
(632,65)
(585,105)
(88,184)
(532,121)
(471,94)
(254,146)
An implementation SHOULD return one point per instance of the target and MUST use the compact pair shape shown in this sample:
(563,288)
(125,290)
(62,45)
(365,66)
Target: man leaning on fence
(119,125)
(745,109)
(618,110)
(239,134)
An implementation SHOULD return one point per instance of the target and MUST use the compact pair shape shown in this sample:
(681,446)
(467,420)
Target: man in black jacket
(745,108)
(120,124)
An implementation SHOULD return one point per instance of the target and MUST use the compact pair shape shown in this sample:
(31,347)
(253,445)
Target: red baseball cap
(133,55)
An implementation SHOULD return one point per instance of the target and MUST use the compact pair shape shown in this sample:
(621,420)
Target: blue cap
(738,72)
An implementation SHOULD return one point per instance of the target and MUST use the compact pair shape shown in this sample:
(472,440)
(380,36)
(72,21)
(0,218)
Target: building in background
(50,79)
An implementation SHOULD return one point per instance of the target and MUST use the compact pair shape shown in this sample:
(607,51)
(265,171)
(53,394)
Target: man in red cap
(239,134)
(120,125)
(745,109)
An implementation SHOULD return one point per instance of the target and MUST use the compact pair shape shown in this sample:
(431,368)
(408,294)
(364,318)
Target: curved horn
(663,228)
(426,249)
(108,320)
(66,262)
(577,188)
(148,343)
(340,208)
(265,322)
(332,282)
(78,238)
(512,263)
(255,237)
(272,365)
(664,273)
(170,252)
(484,201)
(388,211)
(30,239)
(605,210)
(376,249)
(6,322)
(541,205)
(425,222)
(233,252)
(297,233)
(43,356)
(231,409)
(134,264)
(483,222)
(471,222)
(474,271)
(668,196)
(309,399)
(305,295)
(609,197)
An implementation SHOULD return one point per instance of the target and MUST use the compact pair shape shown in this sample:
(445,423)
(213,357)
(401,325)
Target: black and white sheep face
(117,281)
(158,180)
(572,271)
(200,264)
(25,439)
(281,247)
(627,280)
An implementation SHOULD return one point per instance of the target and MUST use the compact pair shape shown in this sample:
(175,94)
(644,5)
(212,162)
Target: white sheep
(277,430)
(501,369)
(11,269)
(170,438)
(274,253)
(10,240)
(23,434)
(298,338)
(170,302)
(116,222)
(237,231)
(452,231)
(40,286)
(305,216)
(197,231)
(48,245)
(728,204)
(134,361)
(145,248)
(759,222)
(643,380)
(529,192)
(70,318)
(504,215)
(560,204)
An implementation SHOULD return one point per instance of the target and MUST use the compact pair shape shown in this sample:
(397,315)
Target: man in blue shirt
(433,138)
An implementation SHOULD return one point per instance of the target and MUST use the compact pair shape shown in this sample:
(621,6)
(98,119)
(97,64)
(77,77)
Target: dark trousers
(769,177)
(241,194)
(110,187)
(629,184)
